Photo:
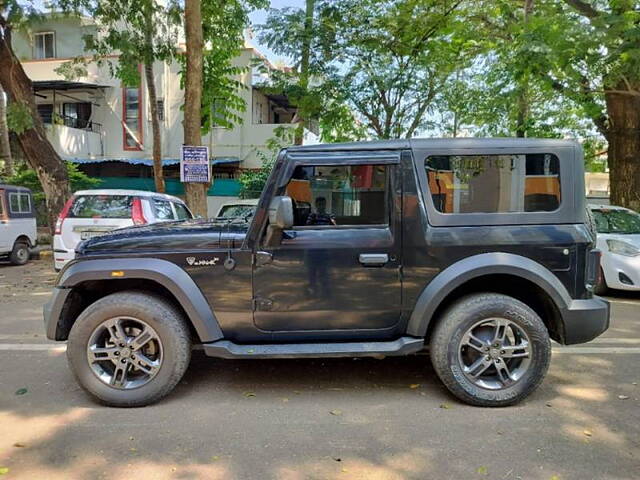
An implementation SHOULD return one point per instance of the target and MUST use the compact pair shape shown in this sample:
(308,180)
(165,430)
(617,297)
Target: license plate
(88,234)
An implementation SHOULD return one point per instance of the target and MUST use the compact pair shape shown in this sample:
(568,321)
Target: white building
(105,126)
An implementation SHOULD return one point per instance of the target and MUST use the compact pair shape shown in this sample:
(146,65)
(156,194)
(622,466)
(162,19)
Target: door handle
(373,259)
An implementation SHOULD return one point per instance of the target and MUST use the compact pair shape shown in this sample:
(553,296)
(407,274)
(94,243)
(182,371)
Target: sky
(259,16)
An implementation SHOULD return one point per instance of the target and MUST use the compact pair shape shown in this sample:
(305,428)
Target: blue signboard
(194,164)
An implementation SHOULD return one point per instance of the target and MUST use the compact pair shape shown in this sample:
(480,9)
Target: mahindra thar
(479,250)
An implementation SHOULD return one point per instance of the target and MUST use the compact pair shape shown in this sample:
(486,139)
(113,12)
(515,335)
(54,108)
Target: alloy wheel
(494,353)
(125,352)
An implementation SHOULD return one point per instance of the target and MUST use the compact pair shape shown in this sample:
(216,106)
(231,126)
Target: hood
(186,235)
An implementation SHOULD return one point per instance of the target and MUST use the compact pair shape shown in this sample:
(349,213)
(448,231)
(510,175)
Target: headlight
(622,248)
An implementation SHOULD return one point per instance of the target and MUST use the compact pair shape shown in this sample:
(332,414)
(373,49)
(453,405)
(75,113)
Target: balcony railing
(73,122)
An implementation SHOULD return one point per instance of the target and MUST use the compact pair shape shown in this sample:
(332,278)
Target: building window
(132,127)
(44,45)
(45,110)
(76,115)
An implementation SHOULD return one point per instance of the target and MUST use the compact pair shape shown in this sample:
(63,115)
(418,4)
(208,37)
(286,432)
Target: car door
(338,267)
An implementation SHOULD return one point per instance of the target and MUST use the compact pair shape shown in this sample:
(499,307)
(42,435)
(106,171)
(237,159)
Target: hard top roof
(424,143)
(14,188)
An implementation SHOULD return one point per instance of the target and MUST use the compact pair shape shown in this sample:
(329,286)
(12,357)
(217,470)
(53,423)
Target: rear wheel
(490,350)
(20,253)
(129,349)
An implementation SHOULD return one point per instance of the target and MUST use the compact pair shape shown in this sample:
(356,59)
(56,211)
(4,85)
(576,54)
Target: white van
(17,223)
(90,213)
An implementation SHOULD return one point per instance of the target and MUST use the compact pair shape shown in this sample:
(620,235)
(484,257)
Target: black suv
(479,249)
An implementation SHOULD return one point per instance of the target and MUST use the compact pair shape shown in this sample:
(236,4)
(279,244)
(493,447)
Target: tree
(591,55)
(5,147)
(214,32)
(141,32)
(196,193)
(30,133)
(307,37)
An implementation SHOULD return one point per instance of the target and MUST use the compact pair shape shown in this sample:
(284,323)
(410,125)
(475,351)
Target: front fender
(167,274)
(476,266)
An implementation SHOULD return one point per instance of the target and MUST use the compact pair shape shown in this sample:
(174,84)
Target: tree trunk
(5,146)
(158,176)
(623,135)
(522,117)
(196,193)
(38,152)
(304,66)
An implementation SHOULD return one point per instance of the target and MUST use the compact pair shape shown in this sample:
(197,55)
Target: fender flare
(167,274)
(476,266)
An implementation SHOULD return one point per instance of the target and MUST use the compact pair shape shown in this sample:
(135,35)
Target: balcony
(74,142)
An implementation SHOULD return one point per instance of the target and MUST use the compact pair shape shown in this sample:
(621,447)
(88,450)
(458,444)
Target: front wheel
(490,350)
(129,349)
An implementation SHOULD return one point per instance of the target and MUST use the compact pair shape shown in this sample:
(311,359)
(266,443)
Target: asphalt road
(314,419)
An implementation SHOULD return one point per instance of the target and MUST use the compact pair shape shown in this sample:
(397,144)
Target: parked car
(18,232)
(243,209)
(89,213)
(619,240)
(477,249)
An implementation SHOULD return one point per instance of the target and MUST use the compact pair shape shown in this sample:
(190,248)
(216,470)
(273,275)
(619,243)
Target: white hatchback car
(619,241)
(89,213)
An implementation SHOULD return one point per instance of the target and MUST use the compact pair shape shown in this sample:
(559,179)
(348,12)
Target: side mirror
(281,212)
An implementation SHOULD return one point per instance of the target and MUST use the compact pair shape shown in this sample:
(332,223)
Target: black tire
(20,253)
(463,315)
(601,287)
(167,322)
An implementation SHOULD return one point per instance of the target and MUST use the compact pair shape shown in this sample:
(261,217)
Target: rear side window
(339,195)
(181,211)
(494,183)
(162,209)
(101,206)
(19,203)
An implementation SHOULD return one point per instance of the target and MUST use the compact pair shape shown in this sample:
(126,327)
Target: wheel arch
(22,238)
(84,282)
(496,272)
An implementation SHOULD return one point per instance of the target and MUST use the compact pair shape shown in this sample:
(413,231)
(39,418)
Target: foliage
(252,182)
(19,117)
(26,177)
(365,58)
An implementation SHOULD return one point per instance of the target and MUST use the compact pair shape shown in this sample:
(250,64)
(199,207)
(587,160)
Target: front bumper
(584,320)
(613,265)
(52,311)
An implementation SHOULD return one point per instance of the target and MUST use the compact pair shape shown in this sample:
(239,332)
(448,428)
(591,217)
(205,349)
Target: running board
(227,349)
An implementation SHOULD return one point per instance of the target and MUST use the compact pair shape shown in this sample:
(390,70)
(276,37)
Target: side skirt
(227,349)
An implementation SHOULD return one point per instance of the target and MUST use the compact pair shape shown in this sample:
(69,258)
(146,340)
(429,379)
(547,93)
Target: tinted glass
(101,206)
(339,195)
(162,209)
(14,203)
(617,221)
(19,203)
(1,202)
(181,211)
(494,183)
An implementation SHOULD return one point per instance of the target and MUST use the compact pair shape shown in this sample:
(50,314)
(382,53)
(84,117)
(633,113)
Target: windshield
(233,211)
(617,221)
(101,206)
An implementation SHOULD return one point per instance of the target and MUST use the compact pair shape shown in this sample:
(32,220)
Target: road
(314,419)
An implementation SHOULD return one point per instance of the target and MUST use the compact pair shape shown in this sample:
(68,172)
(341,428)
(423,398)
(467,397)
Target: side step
(227,349)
